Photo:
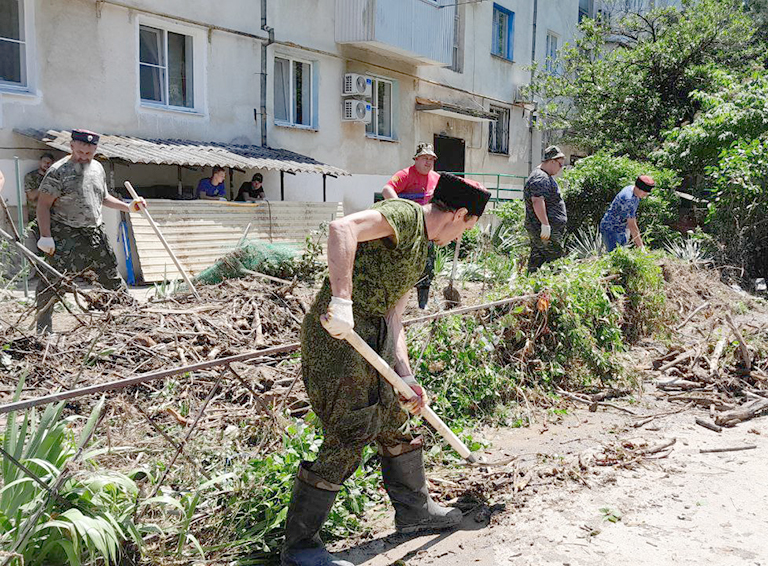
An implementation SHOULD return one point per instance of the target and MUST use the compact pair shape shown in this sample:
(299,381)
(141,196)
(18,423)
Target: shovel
(405,390)
(450,293)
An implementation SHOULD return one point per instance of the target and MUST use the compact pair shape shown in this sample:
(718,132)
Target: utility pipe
(533,60)
(263,88)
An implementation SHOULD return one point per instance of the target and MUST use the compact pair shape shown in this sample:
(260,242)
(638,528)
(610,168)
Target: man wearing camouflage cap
(71,226)
(374,258)
(545,216)
(417,183)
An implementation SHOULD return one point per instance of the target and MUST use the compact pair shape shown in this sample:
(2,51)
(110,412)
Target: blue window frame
(503,32)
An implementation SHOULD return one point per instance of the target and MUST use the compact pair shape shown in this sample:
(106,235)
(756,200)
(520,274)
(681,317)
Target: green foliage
(93,515)
(738,212)
(276,260)
(259,503)
(594,181)
(628,79)
(736,112)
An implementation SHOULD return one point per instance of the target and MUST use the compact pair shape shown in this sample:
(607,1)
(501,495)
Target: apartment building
(332,86)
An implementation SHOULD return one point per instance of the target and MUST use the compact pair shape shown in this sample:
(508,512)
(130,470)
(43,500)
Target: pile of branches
(234,317)
(722,371)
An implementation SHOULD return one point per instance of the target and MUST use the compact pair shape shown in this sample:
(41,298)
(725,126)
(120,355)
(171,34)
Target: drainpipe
(533,59)
(263,88)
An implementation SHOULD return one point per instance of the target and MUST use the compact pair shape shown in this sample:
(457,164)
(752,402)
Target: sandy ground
(688,508)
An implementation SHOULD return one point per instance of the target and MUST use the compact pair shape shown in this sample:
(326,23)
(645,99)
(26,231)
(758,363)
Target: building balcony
(419,31)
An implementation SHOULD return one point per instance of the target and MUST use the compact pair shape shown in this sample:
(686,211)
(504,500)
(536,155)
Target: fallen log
(709,425)
(744,413)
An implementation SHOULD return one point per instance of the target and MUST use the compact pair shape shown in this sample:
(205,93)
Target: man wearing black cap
(545,216)
(374,258)
(620,220)
(69,217)
(251,192)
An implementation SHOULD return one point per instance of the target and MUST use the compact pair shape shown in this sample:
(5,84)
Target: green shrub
(594,181)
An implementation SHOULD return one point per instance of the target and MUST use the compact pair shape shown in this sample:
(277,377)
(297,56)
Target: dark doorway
(450,154)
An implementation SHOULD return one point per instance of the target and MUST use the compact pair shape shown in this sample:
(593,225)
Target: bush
(592,184)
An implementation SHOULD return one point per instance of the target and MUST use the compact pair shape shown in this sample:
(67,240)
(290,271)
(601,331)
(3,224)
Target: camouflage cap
(425,149)
(553,152)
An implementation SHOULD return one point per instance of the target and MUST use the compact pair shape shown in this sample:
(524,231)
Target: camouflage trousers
(544,251)
(354,404)
(77,250)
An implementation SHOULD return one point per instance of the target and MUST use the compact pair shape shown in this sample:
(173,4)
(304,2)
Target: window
(165,68)
(498,131)
(585,9)
(293,92)
(13,56)
(503,32)
(381,103)
(551,54)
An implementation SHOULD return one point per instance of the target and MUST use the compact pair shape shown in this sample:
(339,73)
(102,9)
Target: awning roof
(453,110)
(192,153)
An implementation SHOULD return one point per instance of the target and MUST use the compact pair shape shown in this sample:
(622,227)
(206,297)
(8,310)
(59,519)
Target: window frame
(165,103)
(291,122)
(502,112)
(551,60)
(373,99)
(508,50)
(28,53)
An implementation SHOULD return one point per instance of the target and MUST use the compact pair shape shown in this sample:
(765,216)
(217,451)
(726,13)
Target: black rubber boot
(423,294)
(308,511)
(406,484)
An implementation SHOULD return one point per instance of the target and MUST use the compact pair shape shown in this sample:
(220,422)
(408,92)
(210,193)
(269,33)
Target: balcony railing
(420,31)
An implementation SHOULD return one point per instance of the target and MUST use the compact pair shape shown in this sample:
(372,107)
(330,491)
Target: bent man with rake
(374,258)
(71,227)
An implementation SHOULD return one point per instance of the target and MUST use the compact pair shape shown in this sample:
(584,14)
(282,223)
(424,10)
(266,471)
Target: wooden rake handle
(405,390)
(145,214)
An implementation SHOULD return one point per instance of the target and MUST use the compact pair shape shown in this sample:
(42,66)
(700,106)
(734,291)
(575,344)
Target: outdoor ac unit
(356,110)
(357,85)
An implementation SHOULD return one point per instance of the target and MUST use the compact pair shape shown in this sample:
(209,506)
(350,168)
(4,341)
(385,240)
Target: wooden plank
(201,232)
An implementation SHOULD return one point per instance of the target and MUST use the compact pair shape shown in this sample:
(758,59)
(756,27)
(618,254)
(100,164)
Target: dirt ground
(687,508)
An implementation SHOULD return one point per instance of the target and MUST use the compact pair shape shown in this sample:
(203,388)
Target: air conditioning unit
(357,85)
(356,110)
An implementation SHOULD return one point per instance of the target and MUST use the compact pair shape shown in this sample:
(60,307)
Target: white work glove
(137,204)
(338,321)
(46,245)
(416,404)
(546,231)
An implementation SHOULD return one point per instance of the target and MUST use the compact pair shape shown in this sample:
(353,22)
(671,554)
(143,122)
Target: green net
(278,260)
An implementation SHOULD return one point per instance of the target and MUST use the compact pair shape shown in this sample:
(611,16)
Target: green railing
(494,184)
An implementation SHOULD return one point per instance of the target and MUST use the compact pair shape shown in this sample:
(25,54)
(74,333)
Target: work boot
(310,506)
(406,485)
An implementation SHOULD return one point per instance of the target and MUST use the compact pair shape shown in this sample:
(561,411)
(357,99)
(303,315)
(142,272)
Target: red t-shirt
(410,184)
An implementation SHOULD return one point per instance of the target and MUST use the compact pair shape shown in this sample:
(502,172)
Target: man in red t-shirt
(417,183)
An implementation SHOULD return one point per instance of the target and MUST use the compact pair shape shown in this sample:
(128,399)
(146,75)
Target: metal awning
(191,153)
(451,110)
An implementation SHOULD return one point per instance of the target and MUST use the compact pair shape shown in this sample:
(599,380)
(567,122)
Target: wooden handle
(145,214)
(405,390)
(455,260)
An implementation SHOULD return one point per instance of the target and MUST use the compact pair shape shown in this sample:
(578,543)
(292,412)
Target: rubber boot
(423,294)
(307,512)
(406,485)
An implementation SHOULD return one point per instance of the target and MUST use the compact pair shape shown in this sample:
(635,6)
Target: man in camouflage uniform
(32,182)
(374,258)
(545,216)
(69,217)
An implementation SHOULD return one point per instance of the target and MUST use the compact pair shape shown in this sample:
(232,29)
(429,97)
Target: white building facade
(273,72)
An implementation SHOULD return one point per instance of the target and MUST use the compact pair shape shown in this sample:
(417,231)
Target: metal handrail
(516,193)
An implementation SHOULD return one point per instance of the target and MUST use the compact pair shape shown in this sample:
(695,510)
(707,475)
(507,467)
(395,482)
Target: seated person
(213,188)
(251,192)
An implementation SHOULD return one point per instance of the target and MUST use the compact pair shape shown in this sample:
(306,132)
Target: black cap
(456,193)
(257,177)
(85,136)
(645,183)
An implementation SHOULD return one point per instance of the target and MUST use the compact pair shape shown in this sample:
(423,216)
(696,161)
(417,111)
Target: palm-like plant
(83,522)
